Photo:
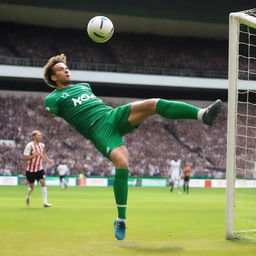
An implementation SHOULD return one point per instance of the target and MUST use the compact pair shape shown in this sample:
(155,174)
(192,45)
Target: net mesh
(245,192)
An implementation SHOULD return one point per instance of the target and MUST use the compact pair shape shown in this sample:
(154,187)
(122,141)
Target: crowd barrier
(132,182)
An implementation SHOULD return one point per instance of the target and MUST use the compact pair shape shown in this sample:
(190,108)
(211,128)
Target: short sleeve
(27,150)
(51,105)
(42,145)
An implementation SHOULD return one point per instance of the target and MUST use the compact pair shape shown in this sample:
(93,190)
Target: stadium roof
(198,18)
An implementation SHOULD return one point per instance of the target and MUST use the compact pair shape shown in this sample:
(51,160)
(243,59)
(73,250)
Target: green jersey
(77,105)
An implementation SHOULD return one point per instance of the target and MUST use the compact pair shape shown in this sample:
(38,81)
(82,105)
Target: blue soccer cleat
(211,113)
(119,229)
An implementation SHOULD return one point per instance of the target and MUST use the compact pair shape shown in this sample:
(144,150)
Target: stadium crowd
(131,53)
(156,140)
(151,145)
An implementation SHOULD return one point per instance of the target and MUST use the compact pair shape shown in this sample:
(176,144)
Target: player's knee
(42,182)
(151,104)
(120,158)
(121,162)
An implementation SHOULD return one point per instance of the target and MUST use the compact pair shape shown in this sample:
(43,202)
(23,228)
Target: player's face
(61,74)
(38,136)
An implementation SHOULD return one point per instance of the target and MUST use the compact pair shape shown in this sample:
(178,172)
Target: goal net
(241,135)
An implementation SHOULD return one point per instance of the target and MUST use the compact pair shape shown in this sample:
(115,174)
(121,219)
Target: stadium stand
(155,141)
(32,45)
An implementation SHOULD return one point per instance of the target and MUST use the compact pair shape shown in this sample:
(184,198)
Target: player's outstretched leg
(181,110)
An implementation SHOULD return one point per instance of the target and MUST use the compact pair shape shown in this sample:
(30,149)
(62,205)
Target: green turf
(81,223)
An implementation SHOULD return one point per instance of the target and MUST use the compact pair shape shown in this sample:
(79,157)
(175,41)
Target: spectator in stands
(144,54)
(206,150)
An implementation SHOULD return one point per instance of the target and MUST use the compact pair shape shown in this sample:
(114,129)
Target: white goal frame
(235,19)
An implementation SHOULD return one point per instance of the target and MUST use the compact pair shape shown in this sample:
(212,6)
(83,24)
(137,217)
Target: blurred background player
(63,171)
(34,155)
(186,176)
(175,172)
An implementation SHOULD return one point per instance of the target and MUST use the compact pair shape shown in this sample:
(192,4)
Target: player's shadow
(31,209)
(153,250)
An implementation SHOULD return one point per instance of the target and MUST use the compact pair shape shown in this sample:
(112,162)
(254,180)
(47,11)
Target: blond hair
(35,132)
(48,72)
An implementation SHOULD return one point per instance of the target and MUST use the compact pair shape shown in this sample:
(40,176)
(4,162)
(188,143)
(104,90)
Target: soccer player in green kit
(105,126)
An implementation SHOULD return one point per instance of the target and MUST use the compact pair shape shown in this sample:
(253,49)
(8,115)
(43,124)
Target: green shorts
(106,134)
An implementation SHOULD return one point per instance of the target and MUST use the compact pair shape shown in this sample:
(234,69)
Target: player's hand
(50,161)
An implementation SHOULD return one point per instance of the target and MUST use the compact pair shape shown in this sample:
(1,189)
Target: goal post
(241,127)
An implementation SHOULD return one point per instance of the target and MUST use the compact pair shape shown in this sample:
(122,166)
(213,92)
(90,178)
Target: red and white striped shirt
(35,164)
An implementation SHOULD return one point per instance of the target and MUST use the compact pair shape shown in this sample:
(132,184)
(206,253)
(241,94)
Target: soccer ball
(100,29)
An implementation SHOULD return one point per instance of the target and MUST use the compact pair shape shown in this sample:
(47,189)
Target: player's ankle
(120,219)
(201,113)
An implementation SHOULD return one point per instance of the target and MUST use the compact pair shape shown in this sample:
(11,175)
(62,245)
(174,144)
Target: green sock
(176,110)
(121,191)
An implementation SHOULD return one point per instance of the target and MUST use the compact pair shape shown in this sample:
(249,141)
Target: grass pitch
(80,223)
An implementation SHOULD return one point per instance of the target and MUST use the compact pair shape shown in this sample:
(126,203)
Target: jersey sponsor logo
(82,98)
